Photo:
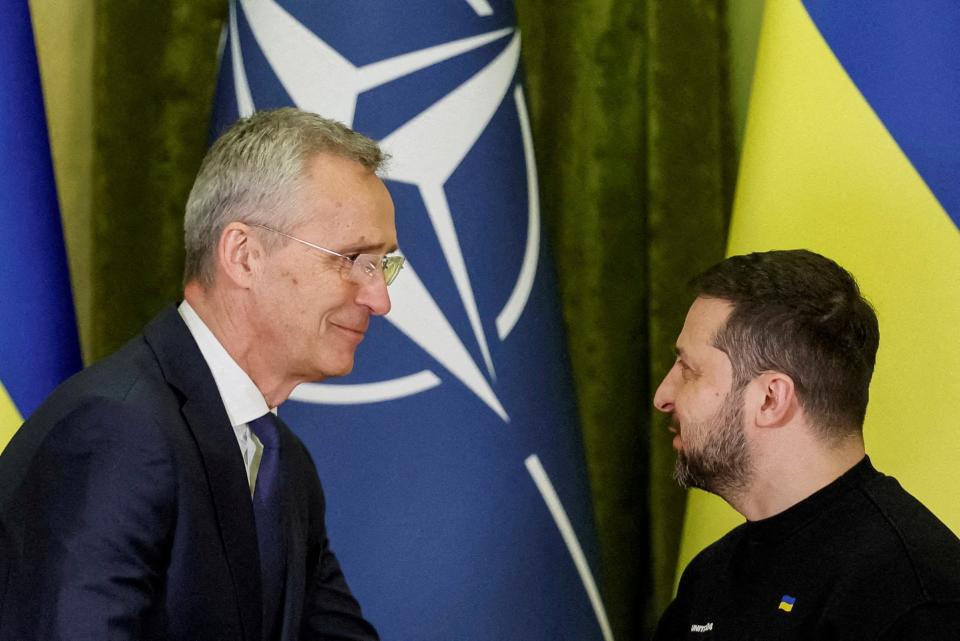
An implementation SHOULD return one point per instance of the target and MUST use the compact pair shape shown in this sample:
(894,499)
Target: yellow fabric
(10,419)
(820,171)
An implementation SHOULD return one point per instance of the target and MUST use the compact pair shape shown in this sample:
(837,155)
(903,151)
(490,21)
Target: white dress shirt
(241,397)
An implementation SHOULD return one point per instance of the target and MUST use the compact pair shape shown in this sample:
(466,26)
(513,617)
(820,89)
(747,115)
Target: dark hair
(801,314)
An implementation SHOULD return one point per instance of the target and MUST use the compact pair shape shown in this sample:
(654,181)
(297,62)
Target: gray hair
(251,173)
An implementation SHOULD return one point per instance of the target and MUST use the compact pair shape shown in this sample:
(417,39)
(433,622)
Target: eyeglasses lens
(367,266)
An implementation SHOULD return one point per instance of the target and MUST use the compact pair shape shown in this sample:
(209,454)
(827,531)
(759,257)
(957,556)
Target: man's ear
(239,254)
(778,399)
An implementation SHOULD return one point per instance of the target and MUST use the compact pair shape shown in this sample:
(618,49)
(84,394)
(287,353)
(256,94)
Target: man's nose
(663,399)
(374,295)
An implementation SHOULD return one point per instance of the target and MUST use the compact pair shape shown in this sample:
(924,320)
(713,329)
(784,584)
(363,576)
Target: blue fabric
(38,333)
(903,57)
(433,507)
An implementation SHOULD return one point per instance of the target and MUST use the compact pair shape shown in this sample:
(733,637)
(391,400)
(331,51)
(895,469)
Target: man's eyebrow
(683,358)
(368,249)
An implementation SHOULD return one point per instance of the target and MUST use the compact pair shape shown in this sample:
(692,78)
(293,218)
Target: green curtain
(630,112)
(631,119)
(690,179)
(154,73)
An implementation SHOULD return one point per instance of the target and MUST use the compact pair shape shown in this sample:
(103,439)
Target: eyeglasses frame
(384,261)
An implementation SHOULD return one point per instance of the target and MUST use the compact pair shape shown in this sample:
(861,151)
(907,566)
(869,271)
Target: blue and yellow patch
(786,602)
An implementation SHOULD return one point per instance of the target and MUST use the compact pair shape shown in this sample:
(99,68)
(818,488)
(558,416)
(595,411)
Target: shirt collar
(780,526)
(241,397)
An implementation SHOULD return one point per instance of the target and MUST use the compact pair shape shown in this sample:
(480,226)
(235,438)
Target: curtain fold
(154,73)
(585,69)
(692,161)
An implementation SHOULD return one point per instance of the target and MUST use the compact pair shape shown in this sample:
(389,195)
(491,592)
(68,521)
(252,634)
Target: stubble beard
(721,462)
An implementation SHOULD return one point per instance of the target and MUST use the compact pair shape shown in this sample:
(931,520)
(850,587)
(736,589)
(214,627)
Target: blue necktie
(269,520)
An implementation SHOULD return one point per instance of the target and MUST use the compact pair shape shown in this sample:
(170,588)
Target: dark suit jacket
(125,512)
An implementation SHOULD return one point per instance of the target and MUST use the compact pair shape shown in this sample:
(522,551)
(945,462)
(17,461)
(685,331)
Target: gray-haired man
(155,495)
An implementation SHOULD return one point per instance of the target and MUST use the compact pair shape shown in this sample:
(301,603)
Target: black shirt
(859,559)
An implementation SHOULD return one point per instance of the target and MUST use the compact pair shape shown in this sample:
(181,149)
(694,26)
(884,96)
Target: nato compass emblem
(437,447)
(425,152)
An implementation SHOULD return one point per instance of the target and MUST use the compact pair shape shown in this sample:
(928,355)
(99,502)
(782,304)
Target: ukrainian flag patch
(786,602)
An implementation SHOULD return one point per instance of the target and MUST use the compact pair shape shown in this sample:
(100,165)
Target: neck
(229,320)
(793,468)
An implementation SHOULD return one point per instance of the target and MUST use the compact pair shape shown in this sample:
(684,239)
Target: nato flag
(451,456)
(38,332)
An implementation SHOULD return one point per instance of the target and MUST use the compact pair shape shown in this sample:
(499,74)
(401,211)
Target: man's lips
(357,333)
(675,430)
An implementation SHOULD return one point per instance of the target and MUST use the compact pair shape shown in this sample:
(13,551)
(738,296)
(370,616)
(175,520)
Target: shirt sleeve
(674,624)
(669,626)
(927,622)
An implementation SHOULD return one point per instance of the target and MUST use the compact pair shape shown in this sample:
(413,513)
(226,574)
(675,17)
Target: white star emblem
(426,151)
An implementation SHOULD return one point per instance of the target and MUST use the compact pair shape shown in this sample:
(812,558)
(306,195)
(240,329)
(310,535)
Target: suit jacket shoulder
(106,504)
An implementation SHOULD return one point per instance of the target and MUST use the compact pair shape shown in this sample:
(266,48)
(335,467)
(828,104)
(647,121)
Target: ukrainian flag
(852,150)
(38,333)
(786,603)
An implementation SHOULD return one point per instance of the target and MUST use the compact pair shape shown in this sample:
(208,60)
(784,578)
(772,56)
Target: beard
(720,461)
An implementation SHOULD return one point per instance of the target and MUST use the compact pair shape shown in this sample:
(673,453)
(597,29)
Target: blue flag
(38,332)
(451,457)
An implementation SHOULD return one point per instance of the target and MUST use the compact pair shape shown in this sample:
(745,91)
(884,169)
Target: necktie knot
(266,430)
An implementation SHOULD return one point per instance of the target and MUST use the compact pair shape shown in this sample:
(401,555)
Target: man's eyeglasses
(362,267)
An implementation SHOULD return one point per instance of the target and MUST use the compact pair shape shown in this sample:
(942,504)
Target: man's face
(310,318)
(706,415)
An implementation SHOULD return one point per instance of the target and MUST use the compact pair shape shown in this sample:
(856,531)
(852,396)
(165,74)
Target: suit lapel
(186,371)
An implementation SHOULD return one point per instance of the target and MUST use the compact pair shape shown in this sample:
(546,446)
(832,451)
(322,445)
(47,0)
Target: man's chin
(340,371)
(328,369)
(682,476)
(688,474)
